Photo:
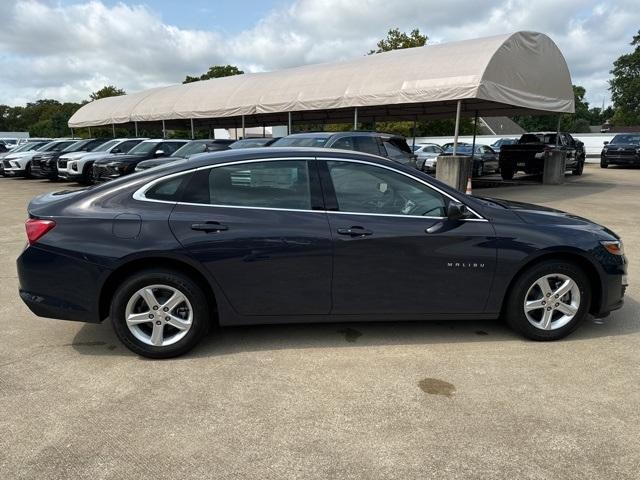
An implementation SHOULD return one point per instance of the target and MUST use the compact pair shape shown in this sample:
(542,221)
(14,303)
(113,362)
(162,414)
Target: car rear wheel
(549,301)
(160,313)
(603,164)
(579,168)
(506,173)
(27,171)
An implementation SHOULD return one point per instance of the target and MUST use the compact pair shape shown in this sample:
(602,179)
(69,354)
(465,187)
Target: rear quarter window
(168,190)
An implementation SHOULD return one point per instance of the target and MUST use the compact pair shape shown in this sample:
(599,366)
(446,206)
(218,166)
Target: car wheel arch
(577,258)
(139,264)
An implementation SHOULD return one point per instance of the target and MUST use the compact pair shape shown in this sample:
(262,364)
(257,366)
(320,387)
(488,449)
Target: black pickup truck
(529,153)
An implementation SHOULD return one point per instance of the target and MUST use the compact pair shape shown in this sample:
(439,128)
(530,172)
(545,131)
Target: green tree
(216,71)
(397,40)
(625,86)
(107,91)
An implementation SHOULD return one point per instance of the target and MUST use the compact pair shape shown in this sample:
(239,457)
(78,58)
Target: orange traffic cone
(469,189)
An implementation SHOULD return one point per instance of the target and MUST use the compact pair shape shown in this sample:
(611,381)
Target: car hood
(160,161)
(74,155)
(622,146)
(539,215)
(21,155)
(120,158)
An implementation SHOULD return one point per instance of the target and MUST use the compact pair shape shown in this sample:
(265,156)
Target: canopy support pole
(243,129)
(135,127)
(113,129)
(264,131)
(73,136)
(558,131)
(193,135)
(473,144)
(457,128)
(413,142)
(289,125)
(89,132)
(164,131)
(355,118)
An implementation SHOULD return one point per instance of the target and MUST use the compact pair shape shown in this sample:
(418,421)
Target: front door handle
(355,231)
(209,227)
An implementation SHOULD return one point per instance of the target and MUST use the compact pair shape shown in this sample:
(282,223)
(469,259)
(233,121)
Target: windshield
(252,142)
(300,142)
(143,148)
(75,147)
(461,149)
(190,148)
(106,146)
(26,147)
(629,139)
(51,146)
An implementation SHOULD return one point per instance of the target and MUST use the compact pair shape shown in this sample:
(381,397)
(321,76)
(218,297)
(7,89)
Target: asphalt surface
(392,400)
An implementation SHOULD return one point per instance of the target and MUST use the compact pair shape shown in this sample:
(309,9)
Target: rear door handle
(209,227)
(355,231)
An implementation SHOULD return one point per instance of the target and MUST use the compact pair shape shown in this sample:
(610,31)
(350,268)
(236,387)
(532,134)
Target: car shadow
(100,339)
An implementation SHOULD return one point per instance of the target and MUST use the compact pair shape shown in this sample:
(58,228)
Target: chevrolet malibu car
(624,149)
(115,166)
(282,235)
(78,166)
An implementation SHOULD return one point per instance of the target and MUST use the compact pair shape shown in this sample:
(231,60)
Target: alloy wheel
(552,301)
(159,315)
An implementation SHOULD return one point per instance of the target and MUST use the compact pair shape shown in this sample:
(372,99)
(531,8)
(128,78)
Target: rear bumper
(56,285)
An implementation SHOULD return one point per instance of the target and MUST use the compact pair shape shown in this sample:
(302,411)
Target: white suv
(78,166)
(18,164)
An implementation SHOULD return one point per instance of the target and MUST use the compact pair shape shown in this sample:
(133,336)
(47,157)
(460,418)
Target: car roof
(350,133)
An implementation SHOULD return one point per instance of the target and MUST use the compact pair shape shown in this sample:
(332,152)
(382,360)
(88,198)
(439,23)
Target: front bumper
(56,285)
(43,169)
(620,159)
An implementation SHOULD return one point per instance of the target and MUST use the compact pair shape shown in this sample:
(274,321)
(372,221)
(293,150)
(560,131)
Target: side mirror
(456,211)
(159,153)
(606,142)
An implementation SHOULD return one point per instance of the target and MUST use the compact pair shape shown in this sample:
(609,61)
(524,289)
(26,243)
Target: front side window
(362,188)
(277,184)
(170,147)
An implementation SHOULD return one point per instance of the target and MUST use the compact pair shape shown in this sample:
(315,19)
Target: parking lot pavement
(388,400)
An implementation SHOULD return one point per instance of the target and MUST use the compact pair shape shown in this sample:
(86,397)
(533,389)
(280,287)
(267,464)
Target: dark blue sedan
(284,235)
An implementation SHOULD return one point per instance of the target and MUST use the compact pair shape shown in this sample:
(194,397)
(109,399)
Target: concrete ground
(393,400)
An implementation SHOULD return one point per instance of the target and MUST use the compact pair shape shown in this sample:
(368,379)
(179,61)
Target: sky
(65,49)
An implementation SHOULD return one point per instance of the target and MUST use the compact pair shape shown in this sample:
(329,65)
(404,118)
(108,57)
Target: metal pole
(192,132)
(73,136)
(413,143)
(264,130)
(558,131)
(473,145)
(89,132)
(457,129)
(164,131)
(289,125)
(244,135)
(355,118)
(113,130)
(135,126)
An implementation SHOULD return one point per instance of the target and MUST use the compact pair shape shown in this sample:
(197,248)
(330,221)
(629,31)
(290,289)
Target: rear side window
(345,143)
(277,184)
(168,190)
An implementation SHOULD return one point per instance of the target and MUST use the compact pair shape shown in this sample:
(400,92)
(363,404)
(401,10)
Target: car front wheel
(549,300)
(159,313)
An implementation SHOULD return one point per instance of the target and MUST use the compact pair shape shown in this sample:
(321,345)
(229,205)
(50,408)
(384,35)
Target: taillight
(36,228)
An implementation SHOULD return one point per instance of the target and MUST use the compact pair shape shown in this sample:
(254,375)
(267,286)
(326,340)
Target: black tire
(27,171)
(579,168)
(514,305)
(479,170)
(604,164)
(506,173)
(179,281)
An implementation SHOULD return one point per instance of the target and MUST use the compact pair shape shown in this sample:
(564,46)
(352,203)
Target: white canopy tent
(522,72)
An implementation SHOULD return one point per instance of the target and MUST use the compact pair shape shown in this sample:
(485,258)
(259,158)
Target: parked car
(274,235)
(386,145)
(254,142)
(24,147)
(485,160)
(498,144)
(19,164)
(9,143)
(45,164)
(528,155)
(194,147)
(115,166)
(427,156)
(78,166)
(624,149)
(3,148)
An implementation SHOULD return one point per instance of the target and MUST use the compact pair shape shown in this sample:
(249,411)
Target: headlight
(605,150)
(614,247)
